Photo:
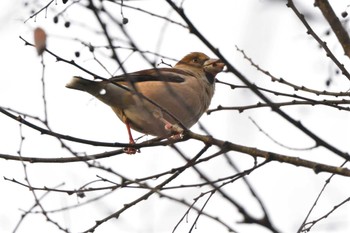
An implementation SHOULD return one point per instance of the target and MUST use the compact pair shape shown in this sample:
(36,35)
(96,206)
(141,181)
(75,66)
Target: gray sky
(268,32)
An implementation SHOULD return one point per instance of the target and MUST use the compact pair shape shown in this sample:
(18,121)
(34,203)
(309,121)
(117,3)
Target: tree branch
(335,24)
(253,87)
(318,39)
(228,146)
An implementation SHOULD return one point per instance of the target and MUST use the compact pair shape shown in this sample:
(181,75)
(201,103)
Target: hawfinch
(155,101)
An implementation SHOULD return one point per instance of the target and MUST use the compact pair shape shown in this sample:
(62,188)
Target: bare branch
(232,69)
(335,24)
(227,146)
(318,39)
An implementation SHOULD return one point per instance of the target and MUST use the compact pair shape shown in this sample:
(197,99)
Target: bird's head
(199,61)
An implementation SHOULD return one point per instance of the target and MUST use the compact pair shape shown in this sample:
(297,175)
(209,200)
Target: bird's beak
(214,65)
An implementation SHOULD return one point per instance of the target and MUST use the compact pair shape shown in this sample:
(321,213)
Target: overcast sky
(268,32)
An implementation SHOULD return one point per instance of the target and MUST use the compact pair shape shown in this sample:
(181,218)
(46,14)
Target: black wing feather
(162,74)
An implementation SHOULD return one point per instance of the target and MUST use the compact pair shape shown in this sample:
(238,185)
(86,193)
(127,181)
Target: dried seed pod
(40,40)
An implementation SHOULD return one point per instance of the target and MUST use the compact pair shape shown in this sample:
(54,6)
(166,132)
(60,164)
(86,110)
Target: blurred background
(267,31)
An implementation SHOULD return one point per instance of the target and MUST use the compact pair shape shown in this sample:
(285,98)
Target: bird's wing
(162,74)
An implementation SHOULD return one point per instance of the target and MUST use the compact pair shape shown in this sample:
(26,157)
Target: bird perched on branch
(159,102)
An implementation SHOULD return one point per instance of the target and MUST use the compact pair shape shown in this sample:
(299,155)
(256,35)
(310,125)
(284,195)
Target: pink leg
(130,150)
(174,128)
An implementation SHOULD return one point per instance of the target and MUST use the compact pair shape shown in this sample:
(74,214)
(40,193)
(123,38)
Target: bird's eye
(195,60)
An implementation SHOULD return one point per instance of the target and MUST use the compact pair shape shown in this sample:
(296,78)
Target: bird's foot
(130,150)
(177,136)
(175,129)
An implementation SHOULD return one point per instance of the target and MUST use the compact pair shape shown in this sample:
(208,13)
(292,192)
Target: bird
(159,101)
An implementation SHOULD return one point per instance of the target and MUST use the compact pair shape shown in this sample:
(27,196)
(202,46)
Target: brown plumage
(178,95)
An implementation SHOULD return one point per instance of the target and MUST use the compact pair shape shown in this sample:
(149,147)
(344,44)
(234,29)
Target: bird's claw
(173,128)
(177,136)
(130,150)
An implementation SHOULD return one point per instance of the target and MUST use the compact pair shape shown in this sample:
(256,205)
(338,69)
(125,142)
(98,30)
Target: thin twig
(277,142)
(292,85)
(38,12)
(323,44)
(232,69)
(334,22)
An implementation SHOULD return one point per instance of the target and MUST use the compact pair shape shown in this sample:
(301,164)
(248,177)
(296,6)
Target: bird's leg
(130,150)
(174,128)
